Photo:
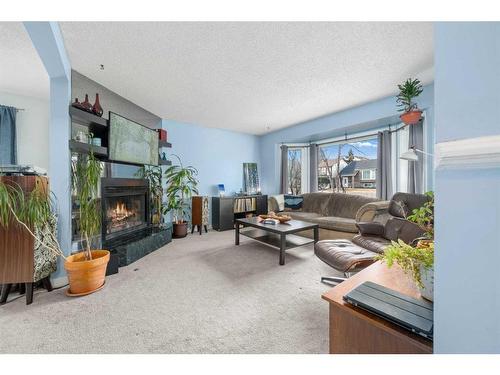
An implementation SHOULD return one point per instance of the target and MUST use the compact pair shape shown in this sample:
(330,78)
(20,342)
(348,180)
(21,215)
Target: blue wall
(467,282)
(365,117)
(217,154)
(48,41)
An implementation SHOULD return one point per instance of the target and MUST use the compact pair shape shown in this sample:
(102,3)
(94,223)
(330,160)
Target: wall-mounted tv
(131,142)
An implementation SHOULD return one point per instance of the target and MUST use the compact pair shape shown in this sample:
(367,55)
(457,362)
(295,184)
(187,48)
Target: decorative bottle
(96,108)
(86,104)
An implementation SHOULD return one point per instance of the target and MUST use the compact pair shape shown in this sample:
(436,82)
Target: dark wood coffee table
(279,235)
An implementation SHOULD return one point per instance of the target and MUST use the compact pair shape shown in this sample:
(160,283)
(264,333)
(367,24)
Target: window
(368,174)
(298,170)
(348,167)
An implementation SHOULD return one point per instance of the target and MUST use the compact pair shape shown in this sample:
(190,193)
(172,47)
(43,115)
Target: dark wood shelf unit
(165,144)
(84,148)
(99,127)
(164,162)
(223,214)
(95,123)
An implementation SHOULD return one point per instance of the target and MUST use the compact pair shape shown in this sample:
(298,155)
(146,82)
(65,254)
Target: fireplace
(125,208)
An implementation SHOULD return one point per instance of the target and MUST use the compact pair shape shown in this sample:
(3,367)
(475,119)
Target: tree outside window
(295,171)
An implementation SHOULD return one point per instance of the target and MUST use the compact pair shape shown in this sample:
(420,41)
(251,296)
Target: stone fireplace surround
(126,227)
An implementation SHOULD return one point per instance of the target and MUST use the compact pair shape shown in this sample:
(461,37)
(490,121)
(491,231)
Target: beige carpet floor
(200,294)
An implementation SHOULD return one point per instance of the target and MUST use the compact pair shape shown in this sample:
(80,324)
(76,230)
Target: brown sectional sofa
(335,213)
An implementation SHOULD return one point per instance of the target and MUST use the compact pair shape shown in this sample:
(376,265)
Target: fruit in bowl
(272,215)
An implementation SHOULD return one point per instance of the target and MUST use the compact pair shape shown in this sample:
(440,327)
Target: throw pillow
(370,228)
(293,202)
(280,200)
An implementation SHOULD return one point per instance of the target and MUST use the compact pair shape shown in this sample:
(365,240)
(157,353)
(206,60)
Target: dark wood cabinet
(226,209)
(199,213)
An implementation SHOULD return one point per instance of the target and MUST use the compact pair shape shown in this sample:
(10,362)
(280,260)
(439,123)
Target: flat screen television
(131,142)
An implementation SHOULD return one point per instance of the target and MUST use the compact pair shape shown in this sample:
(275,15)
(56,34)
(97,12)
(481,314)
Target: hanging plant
(408,91)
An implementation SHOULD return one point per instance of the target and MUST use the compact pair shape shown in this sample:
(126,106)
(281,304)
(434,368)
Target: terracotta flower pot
(412,117)
(86,276)
(180,229)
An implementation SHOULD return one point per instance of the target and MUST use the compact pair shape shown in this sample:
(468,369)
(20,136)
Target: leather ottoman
(343,255)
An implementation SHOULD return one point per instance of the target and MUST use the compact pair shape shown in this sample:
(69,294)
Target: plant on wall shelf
(408,91)
(181,186)
(417,260)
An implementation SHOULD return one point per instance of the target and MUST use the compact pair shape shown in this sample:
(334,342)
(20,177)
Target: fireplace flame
(121,213)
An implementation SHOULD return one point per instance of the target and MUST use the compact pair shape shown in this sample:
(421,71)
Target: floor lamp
(411,154)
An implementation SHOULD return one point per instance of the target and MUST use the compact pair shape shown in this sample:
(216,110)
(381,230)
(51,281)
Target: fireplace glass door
(125,214)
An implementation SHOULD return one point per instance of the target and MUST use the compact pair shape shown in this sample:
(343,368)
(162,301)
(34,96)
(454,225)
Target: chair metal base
(332,280)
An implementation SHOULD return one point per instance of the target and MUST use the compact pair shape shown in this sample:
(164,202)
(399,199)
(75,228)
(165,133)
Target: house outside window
(368,174)
(348,167)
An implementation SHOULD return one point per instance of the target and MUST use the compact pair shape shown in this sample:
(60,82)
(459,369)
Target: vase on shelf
(77,104)
(86,104)
(96,108)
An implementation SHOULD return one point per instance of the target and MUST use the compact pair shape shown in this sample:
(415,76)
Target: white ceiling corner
(21,70)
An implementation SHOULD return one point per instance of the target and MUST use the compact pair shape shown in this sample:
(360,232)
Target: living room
(250,187)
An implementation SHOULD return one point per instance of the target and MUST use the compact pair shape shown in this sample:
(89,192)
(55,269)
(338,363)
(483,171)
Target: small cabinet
(226,209)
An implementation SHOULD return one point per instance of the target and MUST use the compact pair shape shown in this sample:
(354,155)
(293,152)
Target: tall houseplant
(87,269)
(417,259)
(182,184)
(154,176)
(32,211)
(408,91)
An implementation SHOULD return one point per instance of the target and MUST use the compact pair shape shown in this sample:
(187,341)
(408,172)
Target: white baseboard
(59,282)
(470,153)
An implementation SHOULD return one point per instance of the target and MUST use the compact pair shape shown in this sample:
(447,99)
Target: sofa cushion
(346,205)
(403,204)
(401,229)
(301,215)
(343,255)
(341,224)
(316,202)
(376,244)
(371,228)
(292,202)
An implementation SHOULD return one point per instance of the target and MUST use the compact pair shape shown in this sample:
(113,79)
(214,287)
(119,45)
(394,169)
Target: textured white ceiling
(21,70)
(250,77)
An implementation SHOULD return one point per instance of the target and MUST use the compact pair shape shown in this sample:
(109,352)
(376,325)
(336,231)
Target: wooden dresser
(355,331)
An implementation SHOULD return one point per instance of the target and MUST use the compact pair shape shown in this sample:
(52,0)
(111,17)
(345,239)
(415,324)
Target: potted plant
(417,259)
(408,91)
(87,269)
(33,211)
(181,185)
(153,174)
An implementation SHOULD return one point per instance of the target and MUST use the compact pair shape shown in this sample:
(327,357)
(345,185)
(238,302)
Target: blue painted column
(48,41)
(467,211)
